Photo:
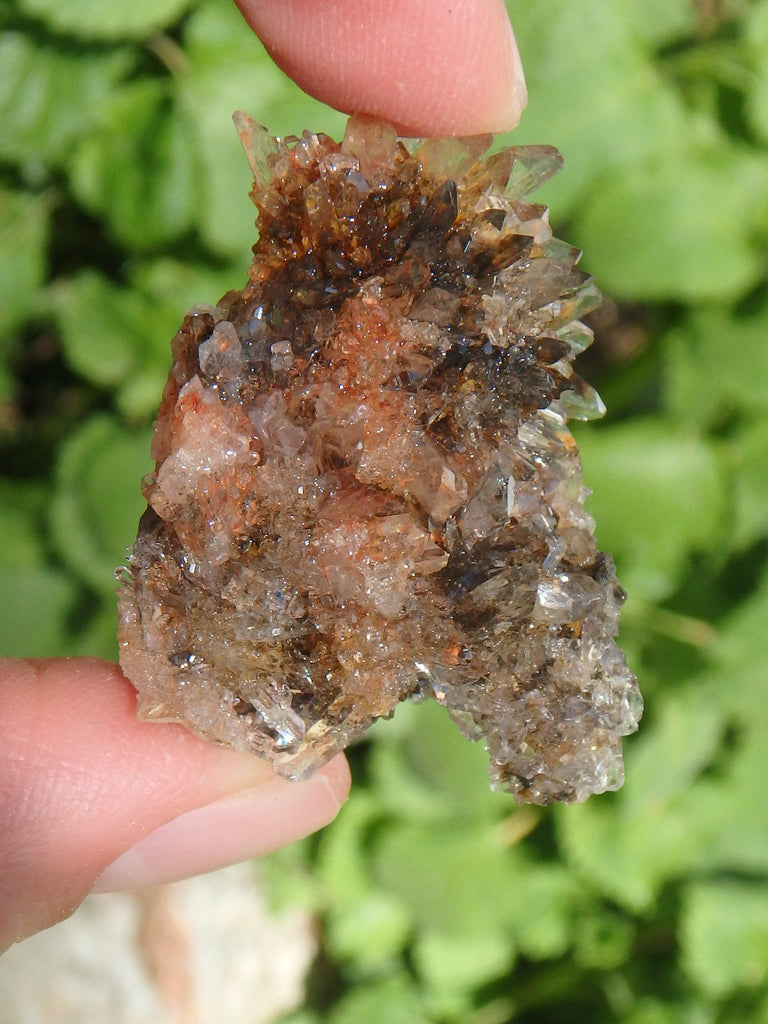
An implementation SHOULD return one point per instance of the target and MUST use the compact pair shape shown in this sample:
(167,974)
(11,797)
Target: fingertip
(242,826)
(338,778)
(428,68)
(82,781)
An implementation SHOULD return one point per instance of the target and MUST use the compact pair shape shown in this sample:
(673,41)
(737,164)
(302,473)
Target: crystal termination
(365,489)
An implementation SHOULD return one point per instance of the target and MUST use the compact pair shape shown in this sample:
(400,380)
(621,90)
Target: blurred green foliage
(123,201)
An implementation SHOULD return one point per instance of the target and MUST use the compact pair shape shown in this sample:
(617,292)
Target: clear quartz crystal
(365,487)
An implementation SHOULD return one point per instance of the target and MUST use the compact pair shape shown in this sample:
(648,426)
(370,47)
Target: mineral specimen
(365,489)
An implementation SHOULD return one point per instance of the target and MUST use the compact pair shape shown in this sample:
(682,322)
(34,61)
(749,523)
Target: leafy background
(123,200)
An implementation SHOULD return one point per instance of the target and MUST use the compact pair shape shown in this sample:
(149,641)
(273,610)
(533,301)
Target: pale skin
(91,799)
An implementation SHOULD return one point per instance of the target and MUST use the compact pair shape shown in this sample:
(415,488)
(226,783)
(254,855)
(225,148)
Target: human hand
(91,799)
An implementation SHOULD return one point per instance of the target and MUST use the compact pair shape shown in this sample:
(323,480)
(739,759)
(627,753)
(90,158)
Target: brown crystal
(365,489)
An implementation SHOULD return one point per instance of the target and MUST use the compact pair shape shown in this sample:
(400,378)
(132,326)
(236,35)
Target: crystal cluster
(365,489)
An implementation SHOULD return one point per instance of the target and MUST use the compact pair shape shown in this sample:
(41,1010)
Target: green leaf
(181,284)
(95,630)
(455,767)
(749,490)
(670,754)
(457,881)
(728,807)
(460,963)
(216,35)
(596,93)
(37,601)
(92,19)
(229,70)
(757,40)
(24,228)
(366,925)
(608,840)
(545,910)
(21,543)
(120,338)
(612,851)
(741,652)
(715,365)
(644,475)
(649,1010)
(393,1000)
(97,504)
(37,607)
(659,22)
(728,813)
(167,289)
(369,932)
(141,170)
(99,325)
(604,940)
(401,789)
(724,935)
(654,233)
(342,863)
(49,98)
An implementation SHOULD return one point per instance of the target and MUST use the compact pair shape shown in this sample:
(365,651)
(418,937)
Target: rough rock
(365,489)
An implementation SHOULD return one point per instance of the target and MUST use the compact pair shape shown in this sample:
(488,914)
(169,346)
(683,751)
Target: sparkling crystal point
(365,488)
(581,401)
(257,143)
(531,167)
(450,158)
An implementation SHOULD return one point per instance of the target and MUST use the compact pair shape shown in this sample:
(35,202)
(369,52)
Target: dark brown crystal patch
(365,489)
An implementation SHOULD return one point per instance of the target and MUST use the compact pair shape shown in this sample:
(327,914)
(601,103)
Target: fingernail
(237,828)
(517,96)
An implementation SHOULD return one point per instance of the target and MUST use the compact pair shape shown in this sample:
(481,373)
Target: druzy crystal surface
(365,489)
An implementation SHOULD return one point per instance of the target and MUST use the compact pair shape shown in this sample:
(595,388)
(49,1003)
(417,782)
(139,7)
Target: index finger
(427,67)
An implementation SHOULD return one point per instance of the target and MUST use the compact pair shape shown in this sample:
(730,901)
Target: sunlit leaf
(49,98)
(24,229)
(37,612)
(724,935)
(750,484)
(369,932)
(120,338)
(393,1000)
(99,325)
(715,366)
(456,769)
(757,39)
(141,170)
(658,496)
(456,962)
(37,600)
(603,940)
(595,93)
(654,232)
(608,842)
(92,19)
(548,900)
(458,881)
(98,502)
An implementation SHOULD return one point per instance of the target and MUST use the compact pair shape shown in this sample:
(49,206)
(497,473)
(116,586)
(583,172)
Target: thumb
(92,798)
(428,67)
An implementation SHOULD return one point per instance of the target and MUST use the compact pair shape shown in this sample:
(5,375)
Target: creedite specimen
(365,489)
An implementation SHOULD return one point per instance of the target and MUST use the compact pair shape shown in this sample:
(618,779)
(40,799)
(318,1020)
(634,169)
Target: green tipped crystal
(258,144)
(532,166)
